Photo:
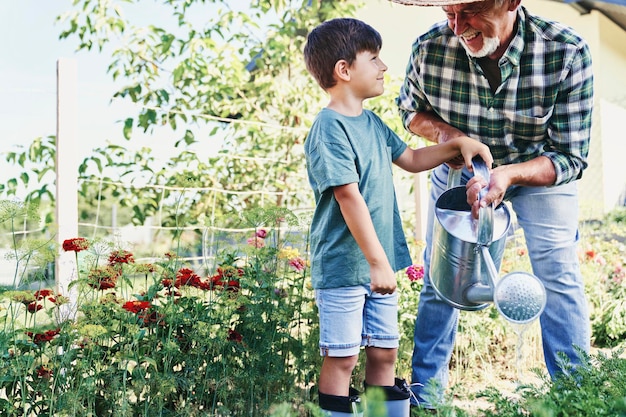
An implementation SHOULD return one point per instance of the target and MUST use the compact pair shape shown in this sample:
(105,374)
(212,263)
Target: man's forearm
(430,127)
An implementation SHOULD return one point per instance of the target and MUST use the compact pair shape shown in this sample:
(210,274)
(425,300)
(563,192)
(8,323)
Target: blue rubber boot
(338,406)
(397,400)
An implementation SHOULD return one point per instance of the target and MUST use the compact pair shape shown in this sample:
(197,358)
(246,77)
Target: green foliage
(594,388)
(159,339)
(604,265)
(239,336)
(31,255)
(234,80)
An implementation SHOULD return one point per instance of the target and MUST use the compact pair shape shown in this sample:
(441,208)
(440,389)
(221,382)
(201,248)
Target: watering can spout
(479,293)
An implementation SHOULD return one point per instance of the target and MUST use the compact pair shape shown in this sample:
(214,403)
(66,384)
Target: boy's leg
(380,372)
(335,375)
(341,315)
(380,366)
(381,338)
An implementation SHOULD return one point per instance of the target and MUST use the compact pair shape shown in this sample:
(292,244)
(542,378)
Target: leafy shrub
(159,339)
(238,334)
(595,388)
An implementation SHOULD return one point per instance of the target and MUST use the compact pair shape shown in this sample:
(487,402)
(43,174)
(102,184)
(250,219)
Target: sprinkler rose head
(519,297)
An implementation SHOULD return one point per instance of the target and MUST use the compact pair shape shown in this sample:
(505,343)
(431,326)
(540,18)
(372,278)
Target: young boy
(357,241)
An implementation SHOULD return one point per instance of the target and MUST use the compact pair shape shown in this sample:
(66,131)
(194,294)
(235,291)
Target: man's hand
(498,184)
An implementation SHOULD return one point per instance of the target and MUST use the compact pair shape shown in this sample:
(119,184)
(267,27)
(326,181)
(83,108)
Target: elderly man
(522,85)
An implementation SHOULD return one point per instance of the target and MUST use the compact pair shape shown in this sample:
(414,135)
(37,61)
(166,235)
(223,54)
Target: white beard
(489,47)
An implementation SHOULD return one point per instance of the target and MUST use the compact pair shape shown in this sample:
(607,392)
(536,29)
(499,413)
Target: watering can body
(456,265)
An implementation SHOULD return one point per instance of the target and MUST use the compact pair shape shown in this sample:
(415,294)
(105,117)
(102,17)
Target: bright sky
(28,77)
(30,51)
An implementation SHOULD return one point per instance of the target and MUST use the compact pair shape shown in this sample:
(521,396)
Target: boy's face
(367,75)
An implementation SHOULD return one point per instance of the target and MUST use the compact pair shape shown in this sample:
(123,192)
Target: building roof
(614,10)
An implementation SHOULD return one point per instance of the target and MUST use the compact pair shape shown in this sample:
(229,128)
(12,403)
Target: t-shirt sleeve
(331,158)
(394,142)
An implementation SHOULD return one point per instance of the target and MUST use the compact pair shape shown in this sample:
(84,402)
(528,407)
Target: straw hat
(433,2)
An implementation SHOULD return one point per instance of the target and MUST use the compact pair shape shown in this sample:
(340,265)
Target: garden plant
(237,334)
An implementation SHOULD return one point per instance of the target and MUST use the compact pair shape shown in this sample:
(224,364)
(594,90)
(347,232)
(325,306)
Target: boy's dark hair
(334,40)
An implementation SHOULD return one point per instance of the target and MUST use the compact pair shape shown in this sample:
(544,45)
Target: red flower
(34,307)
(40,338)
(103,278)
(234,336)
(41,294)
(152,317)
(121,257)
(173,292)
(44,372)
(256,242)
(298,264)
(186,276)
(136,306)
(75,245)
(225,278)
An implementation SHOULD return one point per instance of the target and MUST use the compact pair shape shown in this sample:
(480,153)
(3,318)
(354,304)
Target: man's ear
(342,70)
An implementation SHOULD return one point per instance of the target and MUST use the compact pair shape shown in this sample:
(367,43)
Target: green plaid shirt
(542,106)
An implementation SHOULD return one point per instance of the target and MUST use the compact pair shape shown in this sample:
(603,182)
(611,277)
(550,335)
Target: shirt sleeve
(331,158)
(411,99)
(569,131)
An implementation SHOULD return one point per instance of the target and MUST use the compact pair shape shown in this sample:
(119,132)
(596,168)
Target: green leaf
(128,128)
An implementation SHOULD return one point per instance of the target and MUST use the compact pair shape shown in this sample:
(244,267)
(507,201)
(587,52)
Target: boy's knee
(345,364)
(380,356)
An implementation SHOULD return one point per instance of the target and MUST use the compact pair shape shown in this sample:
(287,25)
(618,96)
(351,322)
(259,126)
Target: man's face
(485,29)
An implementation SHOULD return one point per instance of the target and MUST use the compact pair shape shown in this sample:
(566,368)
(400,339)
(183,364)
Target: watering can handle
(454,177)
(485,214)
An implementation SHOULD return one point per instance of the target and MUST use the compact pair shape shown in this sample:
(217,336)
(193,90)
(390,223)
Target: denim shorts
(351,317)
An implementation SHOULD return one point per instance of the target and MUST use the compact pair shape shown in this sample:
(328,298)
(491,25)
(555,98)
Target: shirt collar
(514,52)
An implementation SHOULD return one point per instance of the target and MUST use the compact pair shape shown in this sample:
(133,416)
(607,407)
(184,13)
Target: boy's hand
(383,279)
(470,148)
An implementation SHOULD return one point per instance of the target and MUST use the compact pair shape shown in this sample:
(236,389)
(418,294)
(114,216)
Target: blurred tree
(232,70)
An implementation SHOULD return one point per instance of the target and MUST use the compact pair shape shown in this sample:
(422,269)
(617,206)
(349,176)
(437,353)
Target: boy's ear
(342,70)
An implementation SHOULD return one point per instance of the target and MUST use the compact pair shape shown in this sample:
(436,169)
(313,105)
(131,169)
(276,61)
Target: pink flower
(262,233)
(415,272)
(256,241)
(297,263)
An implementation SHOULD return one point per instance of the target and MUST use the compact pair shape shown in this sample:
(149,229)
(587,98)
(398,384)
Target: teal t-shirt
(342,150)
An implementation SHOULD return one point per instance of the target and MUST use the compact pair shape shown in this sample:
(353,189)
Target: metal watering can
(465,252)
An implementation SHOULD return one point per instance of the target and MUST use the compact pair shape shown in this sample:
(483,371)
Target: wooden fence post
(66,269)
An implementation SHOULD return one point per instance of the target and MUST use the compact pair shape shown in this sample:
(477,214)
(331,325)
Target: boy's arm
(422,159)
(359,221)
